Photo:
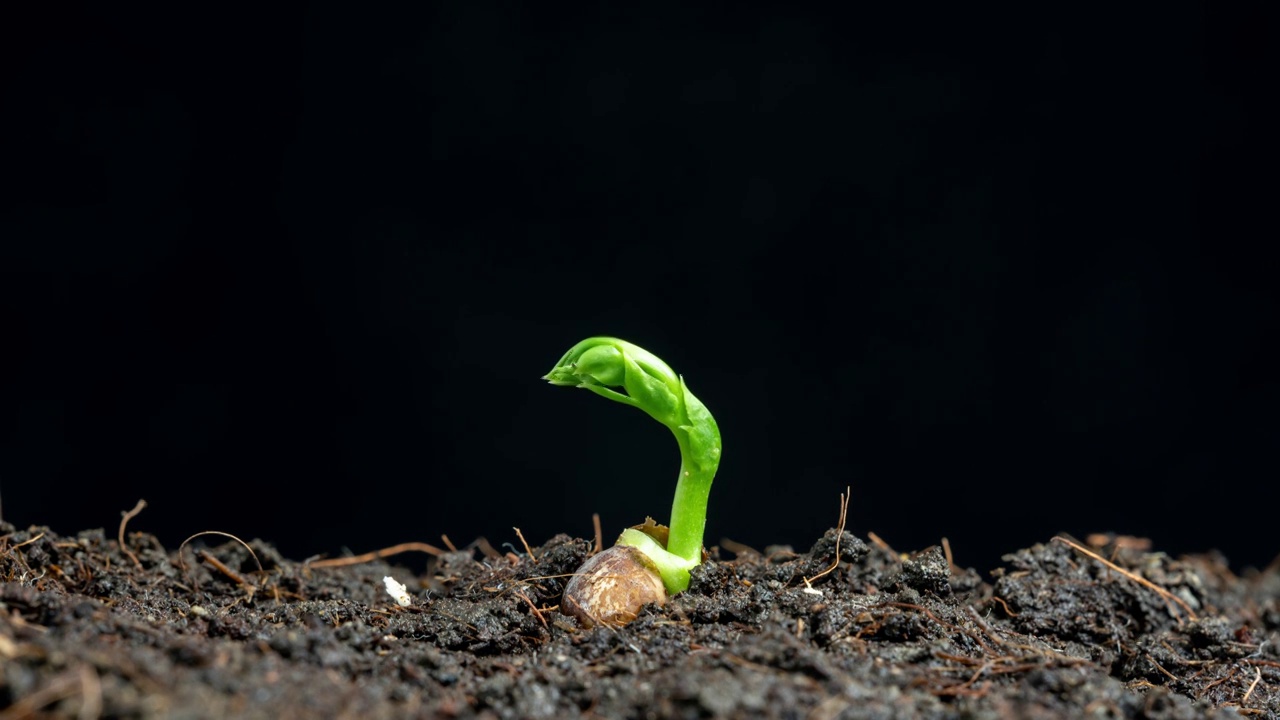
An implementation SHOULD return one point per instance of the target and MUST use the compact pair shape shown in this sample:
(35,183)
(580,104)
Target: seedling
(631,375)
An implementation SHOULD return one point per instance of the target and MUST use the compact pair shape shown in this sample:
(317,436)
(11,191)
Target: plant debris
(90,627)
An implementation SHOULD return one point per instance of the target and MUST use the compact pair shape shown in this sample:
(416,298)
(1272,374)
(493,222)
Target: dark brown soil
(85,631)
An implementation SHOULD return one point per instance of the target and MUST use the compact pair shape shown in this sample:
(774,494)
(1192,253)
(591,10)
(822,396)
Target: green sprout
(633,376)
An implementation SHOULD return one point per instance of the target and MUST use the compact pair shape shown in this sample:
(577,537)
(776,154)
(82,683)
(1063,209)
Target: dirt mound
(88,630)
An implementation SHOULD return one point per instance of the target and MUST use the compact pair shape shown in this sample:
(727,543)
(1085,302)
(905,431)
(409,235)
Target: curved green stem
(673,569)
(631,375)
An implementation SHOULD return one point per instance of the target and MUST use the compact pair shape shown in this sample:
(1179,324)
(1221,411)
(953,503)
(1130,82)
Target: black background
(295,273)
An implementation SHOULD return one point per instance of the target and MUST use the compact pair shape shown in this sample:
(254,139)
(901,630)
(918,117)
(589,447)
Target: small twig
(536,612)
(844,513)
(595,522)
(1215,683)
(27,541)
(1004,605)
(1166,673)
(486,548)
(954,628)
(1252,685)
(880,543)
(126,516)
(448,543)
(1165,594)
(984,626)
(183,566)
(222,568)
(973,678)
(377,554)
(738,548)
(946,551)
(552,577)
(527,549)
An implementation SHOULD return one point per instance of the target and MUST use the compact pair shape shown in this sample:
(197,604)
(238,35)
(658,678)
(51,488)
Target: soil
(88,629)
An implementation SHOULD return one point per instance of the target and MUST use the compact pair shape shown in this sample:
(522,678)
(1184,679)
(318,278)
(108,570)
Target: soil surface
(88,629)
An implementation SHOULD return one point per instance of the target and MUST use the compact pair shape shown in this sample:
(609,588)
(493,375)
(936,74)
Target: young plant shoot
(662,557)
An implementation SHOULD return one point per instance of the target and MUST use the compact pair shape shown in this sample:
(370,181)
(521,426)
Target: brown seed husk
(612,586)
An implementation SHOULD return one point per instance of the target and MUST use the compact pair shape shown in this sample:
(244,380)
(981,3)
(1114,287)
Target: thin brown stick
(527,549)
(1215,683)
(984,626)
(27,541)
(1165,594)
(1252,685)
(844,513)
(536,612)
(486,548)
(377,554)
(879,542)
(183,566)
(962,659)
(595,522)
(125,517)
(222,568)
(946,551)
(974,677)
(954,628)
(1158,666)
(552,577)
(448,543)
(737,548)
(1004,605)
